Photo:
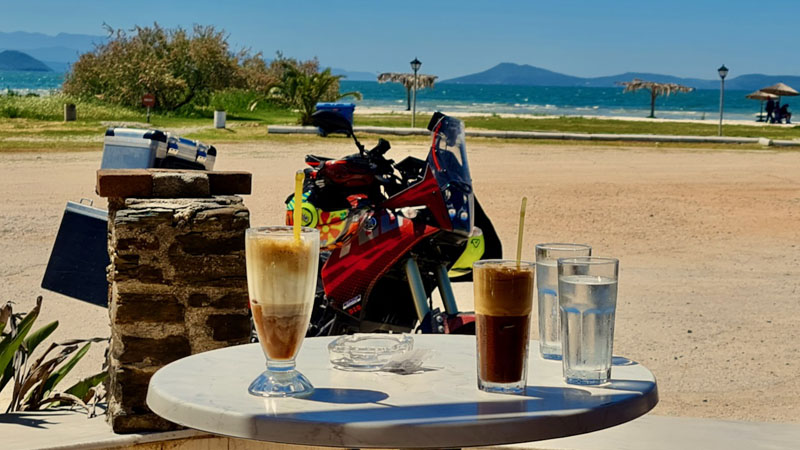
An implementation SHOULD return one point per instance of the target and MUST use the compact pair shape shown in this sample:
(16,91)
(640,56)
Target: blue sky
(452,38)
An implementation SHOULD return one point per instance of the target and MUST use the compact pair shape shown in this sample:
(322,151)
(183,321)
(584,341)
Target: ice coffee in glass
(503,299)
(281,280)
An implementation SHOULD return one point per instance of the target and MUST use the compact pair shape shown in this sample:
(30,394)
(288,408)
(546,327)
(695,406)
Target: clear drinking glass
(547,290)
(587,288)
(503,303)
(281,279)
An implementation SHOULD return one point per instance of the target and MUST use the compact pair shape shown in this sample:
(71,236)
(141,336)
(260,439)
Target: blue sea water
(488,99)
(41,83)
(540,100)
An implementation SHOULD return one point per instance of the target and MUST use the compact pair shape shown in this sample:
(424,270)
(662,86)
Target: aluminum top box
(185,153)
(133,148)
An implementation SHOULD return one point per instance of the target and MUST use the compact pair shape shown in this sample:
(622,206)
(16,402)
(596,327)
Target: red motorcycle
(392,233)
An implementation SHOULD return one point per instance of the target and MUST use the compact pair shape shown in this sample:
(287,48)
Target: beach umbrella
(655,89)
(407,80)
(762,97)
(781,90)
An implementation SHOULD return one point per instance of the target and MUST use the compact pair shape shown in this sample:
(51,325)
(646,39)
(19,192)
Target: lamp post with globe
(415,65)
(723,72)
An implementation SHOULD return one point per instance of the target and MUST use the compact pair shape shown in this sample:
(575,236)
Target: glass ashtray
(367,352)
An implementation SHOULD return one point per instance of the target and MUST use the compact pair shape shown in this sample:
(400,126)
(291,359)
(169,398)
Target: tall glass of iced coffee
(281,279)
(503,299)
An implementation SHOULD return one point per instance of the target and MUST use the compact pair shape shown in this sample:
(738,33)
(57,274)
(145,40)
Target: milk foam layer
(502,289)
(282,272)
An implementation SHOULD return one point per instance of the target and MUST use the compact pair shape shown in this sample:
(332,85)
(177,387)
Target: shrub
(175,65)
(303,89)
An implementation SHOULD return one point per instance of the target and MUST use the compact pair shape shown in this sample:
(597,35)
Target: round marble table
(438,407)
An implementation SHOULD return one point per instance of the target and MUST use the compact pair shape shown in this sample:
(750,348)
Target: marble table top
(438,407)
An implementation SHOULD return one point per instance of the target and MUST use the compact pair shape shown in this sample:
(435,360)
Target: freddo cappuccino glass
(281,280)
(503,303)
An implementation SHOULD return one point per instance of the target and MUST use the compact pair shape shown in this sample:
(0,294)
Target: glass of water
(587,288)
(547,290)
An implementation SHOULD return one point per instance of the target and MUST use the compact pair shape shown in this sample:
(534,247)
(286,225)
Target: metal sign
(149,100)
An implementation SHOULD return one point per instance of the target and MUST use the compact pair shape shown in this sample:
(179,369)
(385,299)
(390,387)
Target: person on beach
(770,108)
(785,114)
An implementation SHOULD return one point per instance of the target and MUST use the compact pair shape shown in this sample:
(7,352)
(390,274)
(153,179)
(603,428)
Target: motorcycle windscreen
(448,158)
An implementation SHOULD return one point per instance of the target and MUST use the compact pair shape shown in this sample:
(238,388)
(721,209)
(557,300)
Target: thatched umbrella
(781,90)
(761,96)
(655,89)
(407,80)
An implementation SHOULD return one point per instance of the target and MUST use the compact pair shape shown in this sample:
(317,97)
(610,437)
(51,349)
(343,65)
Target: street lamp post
(723,71)
(415,65)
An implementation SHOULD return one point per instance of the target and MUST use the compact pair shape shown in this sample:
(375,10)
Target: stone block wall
(178,286)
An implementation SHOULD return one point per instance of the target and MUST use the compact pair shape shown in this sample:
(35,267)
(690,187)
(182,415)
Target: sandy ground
(709,243)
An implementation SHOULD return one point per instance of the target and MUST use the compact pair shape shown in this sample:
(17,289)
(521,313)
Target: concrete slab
(67,430)
(671,433)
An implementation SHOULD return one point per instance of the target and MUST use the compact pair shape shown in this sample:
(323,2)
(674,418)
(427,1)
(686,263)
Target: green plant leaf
(30,343)
(81,388)
(9,344)
(62,371)
(36,338)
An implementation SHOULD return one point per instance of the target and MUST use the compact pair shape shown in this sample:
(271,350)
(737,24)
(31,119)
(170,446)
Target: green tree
(303,88)
(176,65)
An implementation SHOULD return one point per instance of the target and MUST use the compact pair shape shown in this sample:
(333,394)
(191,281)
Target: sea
(701,104)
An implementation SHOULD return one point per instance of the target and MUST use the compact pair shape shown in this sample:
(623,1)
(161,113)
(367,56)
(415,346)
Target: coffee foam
(281,271)
(503,290)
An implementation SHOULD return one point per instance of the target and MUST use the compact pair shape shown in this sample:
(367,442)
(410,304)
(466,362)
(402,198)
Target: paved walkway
(549,135)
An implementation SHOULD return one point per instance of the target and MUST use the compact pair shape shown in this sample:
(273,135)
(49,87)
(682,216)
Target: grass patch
(35,124)
(589,125)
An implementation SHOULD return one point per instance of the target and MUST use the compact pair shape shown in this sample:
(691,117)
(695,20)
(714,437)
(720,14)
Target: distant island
(18,61)
(527,75)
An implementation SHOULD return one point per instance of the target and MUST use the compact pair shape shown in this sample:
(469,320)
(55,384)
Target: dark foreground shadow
(31,419)
(346,396)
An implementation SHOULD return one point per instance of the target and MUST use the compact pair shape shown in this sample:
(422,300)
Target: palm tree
(655,89)
(304,90)
(407,80)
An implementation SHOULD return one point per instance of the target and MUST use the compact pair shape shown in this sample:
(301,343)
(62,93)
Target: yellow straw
(298,203)
(521,229)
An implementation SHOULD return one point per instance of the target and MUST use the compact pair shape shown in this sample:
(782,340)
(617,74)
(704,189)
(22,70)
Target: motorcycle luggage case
(185,153)
(132,148)
(78,261)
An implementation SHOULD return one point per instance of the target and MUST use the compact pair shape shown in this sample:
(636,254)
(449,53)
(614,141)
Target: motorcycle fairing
(356,266)
(425,193)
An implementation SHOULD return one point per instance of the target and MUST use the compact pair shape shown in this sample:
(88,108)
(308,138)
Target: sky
(689,38)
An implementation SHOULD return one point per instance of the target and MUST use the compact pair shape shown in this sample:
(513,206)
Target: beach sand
(709,244)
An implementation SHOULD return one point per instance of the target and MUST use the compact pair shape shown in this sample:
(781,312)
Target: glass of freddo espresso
(281,280)
(503,301)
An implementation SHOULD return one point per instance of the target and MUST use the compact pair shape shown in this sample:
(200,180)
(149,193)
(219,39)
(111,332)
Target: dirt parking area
(708,241)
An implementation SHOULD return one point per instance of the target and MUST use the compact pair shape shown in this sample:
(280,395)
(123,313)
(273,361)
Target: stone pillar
(178,282)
